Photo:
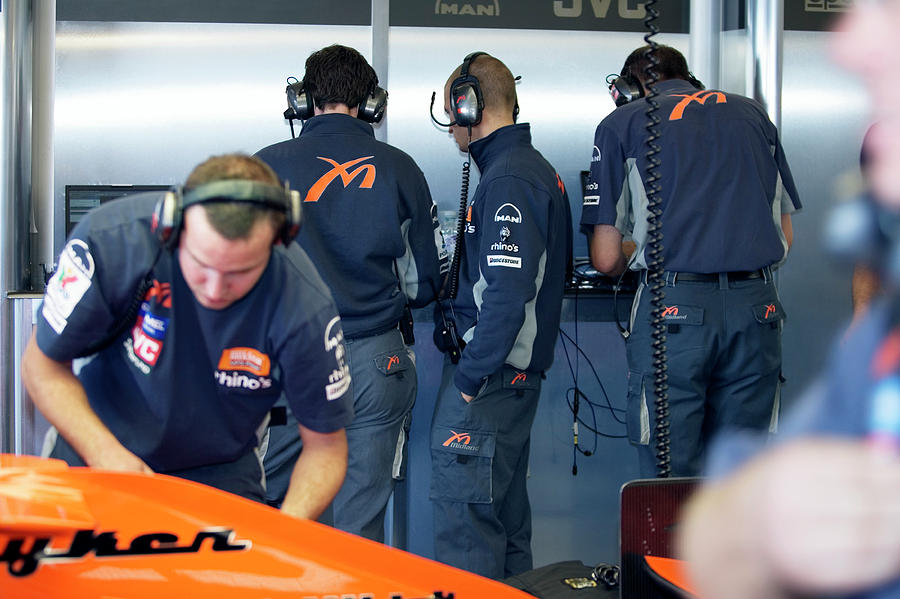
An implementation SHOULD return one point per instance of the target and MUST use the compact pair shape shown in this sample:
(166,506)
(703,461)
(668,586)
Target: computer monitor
(81,199)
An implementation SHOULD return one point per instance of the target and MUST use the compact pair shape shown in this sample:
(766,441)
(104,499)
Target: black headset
(168,216)
(466,99)
(301,105)
(626,88)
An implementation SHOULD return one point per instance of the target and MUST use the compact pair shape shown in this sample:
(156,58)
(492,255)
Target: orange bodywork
(673,571)
(79,533)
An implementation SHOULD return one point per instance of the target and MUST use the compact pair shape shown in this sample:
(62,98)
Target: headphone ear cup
(466,101)
(371,109)
(293,215)
(299,102)
(166,220)
(625,89)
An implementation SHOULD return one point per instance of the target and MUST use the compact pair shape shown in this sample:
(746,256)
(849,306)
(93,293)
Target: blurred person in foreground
(819,513)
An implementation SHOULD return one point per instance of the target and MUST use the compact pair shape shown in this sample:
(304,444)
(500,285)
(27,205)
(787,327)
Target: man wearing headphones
(726,197)
(371,229)
(193,312)
(511,261)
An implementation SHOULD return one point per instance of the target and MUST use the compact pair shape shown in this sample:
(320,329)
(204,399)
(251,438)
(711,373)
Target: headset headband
(238,190)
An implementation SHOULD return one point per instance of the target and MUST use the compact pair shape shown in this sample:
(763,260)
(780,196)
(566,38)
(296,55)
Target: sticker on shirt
(682,314)
(590,199)
(595,155)
(147,337)
(771,312)
(244,368)
(503,245)
(69,284)
(246,359)
(507,261)
(508,213)
(470,228)
(339,379)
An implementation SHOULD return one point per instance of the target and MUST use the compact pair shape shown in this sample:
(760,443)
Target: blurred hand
(829,515)
(816,516)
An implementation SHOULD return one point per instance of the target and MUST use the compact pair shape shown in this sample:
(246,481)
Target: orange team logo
(247,359)
(700,97)
(162,292)
(340,170)
(519,378)
(393,361)
(670,311)
(559,183)
(770,309)
(456,437)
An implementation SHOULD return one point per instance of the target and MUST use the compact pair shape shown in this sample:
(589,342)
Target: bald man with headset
(505,303)
(172,325)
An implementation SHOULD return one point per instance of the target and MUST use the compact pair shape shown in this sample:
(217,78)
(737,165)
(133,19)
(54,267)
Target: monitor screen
(81,199)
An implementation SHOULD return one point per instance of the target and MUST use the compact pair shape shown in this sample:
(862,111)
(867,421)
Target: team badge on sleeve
(339,379)
(69,284)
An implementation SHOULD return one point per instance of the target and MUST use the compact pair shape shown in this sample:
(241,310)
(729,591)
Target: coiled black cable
(453,276)
(655,282)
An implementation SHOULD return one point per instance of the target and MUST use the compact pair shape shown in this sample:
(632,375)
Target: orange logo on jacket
(670,311)
(770,309)
(340,170)
(393,361)
(519,378)
(246,359)
(700,97)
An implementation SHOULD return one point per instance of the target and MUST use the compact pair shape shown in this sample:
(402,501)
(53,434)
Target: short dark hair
(671,64)
(235,220)
(338,75)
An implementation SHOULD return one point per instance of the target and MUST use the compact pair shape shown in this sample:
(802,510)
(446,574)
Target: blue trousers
(723,349)
(479,464)
(383,384)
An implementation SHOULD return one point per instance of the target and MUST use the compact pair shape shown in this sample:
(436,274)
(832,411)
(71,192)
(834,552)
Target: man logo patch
(508,213)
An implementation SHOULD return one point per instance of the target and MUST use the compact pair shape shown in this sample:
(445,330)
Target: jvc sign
(586,15)
(600,8)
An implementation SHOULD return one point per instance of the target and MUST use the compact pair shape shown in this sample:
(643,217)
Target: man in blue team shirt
(727,196)
(194,312)
(370,227)
(512,264)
